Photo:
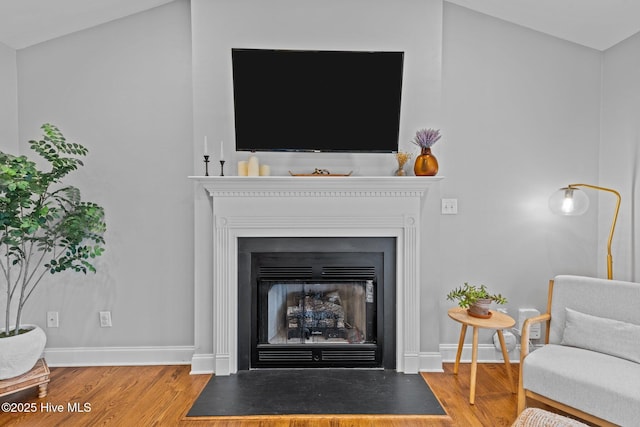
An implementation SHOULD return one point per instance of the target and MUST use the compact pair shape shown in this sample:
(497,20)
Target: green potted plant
(476,299)
(45,228)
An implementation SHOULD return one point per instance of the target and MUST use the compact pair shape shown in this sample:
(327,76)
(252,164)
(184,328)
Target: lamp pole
(613,224)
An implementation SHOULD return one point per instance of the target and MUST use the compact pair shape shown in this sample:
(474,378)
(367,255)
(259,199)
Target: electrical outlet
(449,206)
(105,319)
(524,314)
(52,319)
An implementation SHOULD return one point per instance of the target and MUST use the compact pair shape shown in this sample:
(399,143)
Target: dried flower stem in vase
(402,159)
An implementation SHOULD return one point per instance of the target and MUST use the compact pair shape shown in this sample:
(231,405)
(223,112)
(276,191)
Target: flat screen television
(302,100)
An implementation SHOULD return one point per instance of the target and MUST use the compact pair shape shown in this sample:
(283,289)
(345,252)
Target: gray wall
(8,100)
(8,114)
(620,154)
(124,90)
(413,26)
(519,110)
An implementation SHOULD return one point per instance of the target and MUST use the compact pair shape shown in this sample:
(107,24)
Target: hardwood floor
(162,395)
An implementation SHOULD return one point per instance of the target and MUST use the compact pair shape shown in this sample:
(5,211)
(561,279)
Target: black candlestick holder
(221,167)
(206,165)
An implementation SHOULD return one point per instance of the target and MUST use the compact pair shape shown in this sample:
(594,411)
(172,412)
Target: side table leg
(474,366)
(463,332)
(505,356)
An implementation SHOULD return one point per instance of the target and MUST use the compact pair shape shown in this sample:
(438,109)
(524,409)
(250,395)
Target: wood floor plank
(162,396)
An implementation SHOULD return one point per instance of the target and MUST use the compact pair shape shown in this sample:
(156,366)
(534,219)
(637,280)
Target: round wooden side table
(498,321)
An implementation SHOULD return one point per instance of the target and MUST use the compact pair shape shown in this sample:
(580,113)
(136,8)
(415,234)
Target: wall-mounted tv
(303,100)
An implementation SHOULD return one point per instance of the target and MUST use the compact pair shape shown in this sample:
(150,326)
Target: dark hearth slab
(316,391)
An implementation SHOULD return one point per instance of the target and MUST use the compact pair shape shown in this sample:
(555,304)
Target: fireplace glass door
(318,313)
(316,323)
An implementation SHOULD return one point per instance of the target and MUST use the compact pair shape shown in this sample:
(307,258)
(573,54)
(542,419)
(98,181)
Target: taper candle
(206,146)
(221,150)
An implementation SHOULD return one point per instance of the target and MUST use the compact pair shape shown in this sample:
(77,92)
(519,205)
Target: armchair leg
(522,398)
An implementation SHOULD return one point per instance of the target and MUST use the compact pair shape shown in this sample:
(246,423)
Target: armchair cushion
(605,386)
(608,336)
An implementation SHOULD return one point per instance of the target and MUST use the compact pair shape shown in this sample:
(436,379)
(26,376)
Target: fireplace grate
(279,272)
(287,355)
(360,355)
(348,272)
(271,357)
(306,272)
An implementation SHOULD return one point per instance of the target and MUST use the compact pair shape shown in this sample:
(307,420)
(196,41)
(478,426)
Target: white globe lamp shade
(569,201)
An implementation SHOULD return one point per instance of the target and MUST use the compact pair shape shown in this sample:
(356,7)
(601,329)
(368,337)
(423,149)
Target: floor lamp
(571,200)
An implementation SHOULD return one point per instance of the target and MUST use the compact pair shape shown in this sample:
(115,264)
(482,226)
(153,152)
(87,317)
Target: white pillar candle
(242,168)
(206,146)
(253,167)
(265,170)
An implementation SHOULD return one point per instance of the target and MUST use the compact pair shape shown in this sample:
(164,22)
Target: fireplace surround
(227,209)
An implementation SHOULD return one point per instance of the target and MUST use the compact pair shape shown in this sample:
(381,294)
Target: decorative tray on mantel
(320,172)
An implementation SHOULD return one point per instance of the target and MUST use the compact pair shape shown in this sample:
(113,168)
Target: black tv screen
(294,100)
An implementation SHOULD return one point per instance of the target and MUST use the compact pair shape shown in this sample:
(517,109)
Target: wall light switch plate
(449,206)
(105,319)
(52,319)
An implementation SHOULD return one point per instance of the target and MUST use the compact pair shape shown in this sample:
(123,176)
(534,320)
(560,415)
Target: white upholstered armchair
(590,364)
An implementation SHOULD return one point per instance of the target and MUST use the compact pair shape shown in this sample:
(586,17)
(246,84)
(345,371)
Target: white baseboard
(118,356)
(431,362)
(487,353)
(203,364)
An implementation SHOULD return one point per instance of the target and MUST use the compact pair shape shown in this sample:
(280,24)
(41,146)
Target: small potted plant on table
(476,299)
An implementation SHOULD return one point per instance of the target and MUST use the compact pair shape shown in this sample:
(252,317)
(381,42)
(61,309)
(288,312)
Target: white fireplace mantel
(228,208)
